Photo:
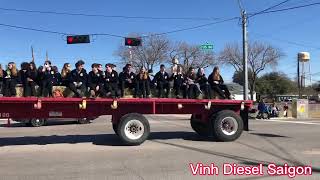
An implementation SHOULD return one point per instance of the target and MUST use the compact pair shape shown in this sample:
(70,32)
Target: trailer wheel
(133,129)
(199,127)
(37,122)
(227,125)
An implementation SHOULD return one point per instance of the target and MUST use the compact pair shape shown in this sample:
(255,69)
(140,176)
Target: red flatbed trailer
(224,119)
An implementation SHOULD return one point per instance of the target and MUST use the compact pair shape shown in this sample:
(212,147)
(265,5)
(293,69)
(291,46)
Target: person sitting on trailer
(111,81)
(142,88)
(193,87)
(161,81)
(10,80)
(22,74)
(1,80)
(56,81)
(32,76)
(100,67)
(28,75)
(203,82)
(78,79)
(127,79)
(46,78)
(95,82)
(217,84)
(65,72)
(179,82)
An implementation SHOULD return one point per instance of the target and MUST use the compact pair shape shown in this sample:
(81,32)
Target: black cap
(111,65)
(79,63)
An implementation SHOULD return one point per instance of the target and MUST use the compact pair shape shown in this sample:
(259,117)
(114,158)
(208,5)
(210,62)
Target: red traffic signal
(78,39)
(132,41)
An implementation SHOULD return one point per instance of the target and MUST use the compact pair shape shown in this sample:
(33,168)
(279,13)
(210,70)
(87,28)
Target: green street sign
(206,46)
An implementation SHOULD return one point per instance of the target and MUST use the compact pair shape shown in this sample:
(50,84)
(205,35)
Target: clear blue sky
(297,26)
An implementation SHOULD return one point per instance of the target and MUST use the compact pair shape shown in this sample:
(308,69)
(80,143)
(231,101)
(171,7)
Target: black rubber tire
(115,128)
(216,120)
(37,122)
(121,129)
(83,121)
(200,128)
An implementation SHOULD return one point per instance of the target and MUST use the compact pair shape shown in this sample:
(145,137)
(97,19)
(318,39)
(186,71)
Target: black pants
(29,89)
(193,91)
(1,87)
(178,87)
(101,90)
(219,88)
(206,89)
(75,89)
(46,88)
(161,86)
(111,88)
(125,84)
(142,88)
(9,88)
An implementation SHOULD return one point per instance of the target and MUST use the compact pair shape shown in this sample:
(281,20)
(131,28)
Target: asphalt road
(65,150)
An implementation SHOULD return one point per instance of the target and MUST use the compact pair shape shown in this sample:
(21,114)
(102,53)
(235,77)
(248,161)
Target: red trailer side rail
(203,111)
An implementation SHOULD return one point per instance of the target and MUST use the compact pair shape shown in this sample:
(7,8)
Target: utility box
(300,108)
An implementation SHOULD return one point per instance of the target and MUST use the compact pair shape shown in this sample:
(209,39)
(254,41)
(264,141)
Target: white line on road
(289,121)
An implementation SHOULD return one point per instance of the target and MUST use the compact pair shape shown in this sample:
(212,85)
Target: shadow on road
(49,123)
(99,139)
(269,135)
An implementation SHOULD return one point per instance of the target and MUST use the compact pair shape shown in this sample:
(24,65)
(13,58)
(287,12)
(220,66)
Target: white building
(236,91)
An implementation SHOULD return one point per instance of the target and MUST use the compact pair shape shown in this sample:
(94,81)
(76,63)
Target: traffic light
(78,39)
(132,41)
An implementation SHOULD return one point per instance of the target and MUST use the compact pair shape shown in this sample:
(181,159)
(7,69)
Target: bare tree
(191,55)
(154,50)
(260,57)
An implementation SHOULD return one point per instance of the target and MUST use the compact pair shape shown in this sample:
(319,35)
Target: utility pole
(130,52)
(298,72)
(245,54)
(32,54)
(47,57)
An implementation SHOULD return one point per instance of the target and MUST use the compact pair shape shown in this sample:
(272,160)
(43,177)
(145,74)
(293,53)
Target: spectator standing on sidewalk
(285,110)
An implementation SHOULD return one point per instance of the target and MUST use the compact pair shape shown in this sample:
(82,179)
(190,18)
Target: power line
(52,32)
(195,27)
(110,16)
(33,29)
(118,36)
(287,9)
(286,41)
(269,8)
